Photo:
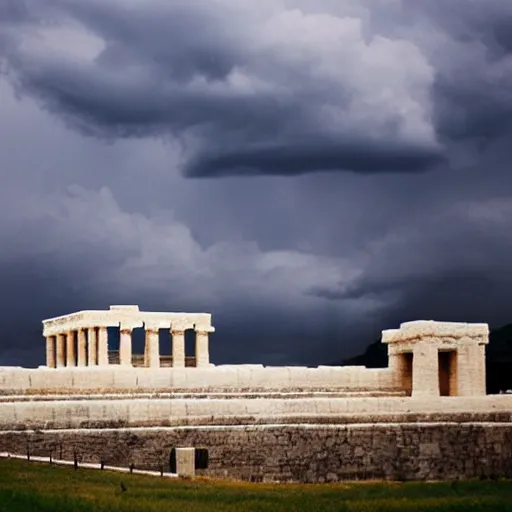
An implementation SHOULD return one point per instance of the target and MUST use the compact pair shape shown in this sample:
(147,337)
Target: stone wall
(161,412)
(225,377)
(304,453)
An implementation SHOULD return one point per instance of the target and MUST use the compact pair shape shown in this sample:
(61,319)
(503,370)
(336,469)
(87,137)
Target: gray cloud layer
(296,264)
(280,92)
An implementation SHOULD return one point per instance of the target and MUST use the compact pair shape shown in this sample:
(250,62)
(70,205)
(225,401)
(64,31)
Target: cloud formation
(108,108)
(245,90)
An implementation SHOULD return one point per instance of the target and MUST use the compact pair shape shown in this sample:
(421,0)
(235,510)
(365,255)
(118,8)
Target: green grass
(29,486)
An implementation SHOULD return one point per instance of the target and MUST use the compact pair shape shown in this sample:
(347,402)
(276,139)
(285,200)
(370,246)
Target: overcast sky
(309,171)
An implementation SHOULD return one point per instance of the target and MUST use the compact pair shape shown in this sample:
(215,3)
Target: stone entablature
(126,317)
(81,339)
(442,332)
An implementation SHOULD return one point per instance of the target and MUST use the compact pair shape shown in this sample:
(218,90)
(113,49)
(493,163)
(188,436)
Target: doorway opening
(447,372)
(190,348)
(172,461)
(406,372)
(201,458)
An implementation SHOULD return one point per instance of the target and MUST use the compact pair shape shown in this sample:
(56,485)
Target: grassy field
(37,487)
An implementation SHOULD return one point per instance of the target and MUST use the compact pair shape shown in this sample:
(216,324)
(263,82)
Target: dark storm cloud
(12,11)
(279,91)
(80,250)
(452,263)
(472,55)
(303,269)
(245,91)
(319,155)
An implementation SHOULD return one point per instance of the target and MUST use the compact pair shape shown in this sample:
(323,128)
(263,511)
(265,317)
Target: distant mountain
(498,359)
(375,356)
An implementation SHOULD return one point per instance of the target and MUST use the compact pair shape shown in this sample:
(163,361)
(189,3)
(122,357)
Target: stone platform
(425,416)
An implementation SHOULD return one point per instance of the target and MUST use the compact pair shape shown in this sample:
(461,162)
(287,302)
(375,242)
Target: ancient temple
(81,339)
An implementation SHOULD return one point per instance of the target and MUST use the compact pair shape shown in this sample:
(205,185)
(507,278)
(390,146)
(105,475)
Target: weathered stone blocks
(309,453)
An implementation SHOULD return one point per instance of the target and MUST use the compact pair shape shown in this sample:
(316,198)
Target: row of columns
(92,348)
(92,345)
(152,349)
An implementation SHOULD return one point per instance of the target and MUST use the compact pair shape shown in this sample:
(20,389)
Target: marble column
(151,349)
(92,346)
(178,348)
(125,347)
(482,388)
(70,349)
(425,370)
(60,350)
(50,352)
(82,348)
(202,349)
(102,346)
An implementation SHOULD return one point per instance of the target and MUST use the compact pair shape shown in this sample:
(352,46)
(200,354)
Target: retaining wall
(303,453)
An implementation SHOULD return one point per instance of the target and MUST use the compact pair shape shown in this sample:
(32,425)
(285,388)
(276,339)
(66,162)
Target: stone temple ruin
(81,339)
(425,416)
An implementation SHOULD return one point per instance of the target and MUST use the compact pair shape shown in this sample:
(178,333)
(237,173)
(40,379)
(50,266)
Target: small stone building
(438,358)
(81,339)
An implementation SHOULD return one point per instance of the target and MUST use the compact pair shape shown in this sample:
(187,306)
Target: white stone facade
(438,358)
(81,339)
(427,359)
